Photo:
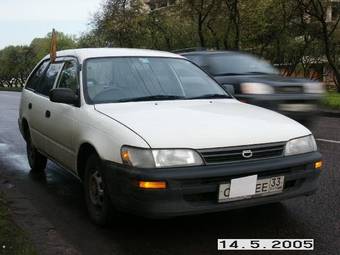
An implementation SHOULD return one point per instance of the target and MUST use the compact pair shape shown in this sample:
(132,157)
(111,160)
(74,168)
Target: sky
(23,20)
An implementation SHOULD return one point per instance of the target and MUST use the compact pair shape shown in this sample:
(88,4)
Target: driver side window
(69,76)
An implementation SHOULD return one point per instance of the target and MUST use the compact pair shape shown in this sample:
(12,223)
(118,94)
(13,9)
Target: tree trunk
(330,60)
(237,25)
(214,34)
(200,32)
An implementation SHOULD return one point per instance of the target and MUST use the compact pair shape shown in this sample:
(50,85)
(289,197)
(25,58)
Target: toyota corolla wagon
(150,133)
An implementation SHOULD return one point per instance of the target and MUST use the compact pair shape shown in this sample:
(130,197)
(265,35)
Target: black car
(255,81)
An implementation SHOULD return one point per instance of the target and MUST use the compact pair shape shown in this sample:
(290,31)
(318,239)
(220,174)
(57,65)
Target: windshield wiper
(151,98)
(210,96)
(258,73)
(245,73)
(227,74)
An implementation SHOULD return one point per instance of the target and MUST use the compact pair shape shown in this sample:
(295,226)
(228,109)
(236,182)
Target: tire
(98,202)
(36,160)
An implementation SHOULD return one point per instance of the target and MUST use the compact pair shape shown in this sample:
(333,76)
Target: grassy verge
(10,89)
(13,240)
(332,100)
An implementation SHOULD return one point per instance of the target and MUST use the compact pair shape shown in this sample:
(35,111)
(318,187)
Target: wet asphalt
(58,196)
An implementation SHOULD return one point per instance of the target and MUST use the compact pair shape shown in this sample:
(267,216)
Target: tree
(16,62)
(200,12)
(233,11)
(41,46)
(120,23)
(317,10)
(15,65)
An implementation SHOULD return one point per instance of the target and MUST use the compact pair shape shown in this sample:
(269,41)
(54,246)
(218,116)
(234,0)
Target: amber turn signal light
(318,164)
(125,155)
(152,185)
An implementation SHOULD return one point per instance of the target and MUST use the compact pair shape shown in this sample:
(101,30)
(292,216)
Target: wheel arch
(85,150)
(25,128)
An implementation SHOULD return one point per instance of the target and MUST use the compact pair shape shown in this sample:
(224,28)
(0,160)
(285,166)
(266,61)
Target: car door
(39,102)
(29,106)
(62,123)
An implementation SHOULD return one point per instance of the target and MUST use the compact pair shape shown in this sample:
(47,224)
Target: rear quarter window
(47,81)
(36,76)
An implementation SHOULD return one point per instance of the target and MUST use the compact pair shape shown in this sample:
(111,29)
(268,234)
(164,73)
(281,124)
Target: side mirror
(229,88)
(64,96)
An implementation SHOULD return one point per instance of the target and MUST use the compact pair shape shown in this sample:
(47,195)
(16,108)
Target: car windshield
(124,79)
(238,64)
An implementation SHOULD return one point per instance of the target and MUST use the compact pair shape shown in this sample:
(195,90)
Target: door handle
(30,106)
(47,114)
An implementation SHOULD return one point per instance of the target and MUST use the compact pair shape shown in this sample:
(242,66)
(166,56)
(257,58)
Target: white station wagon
(148,132)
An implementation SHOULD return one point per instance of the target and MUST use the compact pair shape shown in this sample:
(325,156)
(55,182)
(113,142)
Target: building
(333,10)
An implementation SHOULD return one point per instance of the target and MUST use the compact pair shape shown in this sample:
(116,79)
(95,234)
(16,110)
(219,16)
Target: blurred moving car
(257,82)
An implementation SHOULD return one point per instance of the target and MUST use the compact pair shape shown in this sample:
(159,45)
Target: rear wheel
(36,160)
(98,202)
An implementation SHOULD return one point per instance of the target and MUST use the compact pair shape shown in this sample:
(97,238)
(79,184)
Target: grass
(332,100)
(10,89)
(13,240)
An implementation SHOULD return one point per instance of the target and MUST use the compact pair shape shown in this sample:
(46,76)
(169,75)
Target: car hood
(202,124)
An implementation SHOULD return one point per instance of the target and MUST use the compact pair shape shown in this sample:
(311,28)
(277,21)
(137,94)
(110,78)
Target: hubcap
(96,189)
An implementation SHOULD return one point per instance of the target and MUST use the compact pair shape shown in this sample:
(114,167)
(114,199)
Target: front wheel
(98,202)
(36,160)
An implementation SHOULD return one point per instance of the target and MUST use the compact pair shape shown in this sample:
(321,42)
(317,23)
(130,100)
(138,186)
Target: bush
(332,100)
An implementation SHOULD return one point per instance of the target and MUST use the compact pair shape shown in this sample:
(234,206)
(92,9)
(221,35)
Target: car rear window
(230,64)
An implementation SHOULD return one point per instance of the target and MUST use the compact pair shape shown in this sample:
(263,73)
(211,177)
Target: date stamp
(265,244)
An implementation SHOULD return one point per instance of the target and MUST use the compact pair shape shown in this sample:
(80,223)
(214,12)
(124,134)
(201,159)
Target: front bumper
(194,190)
(279,103)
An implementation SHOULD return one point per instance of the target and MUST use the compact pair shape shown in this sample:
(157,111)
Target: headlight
(148,158)
(300,145)
(314,88)
(256,88)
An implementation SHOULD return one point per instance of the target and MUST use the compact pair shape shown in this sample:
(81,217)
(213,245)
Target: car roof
(86,53)
(212,52)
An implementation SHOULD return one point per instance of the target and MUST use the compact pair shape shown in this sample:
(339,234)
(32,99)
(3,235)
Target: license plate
(297,107)
(263,187)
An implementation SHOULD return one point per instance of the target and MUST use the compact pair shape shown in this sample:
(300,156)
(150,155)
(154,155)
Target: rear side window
(233,64)
(36,76)
(69,77)
(47,81)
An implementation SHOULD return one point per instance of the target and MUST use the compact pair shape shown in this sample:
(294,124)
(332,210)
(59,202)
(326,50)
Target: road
(58,196)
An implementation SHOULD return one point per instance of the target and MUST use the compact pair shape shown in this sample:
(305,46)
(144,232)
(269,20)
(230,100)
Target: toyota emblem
(247,153)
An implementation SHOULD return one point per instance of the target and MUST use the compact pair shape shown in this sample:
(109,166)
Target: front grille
(232,154)
(289,89)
